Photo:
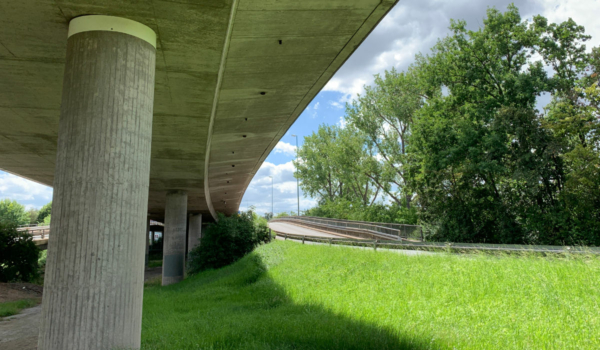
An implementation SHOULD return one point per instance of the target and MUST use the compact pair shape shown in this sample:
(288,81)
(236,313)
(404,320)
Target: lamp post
(297,180)
(272,206)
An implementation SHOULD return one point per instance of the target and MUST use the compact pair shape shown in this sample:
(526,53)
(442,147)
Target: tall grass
(291,296)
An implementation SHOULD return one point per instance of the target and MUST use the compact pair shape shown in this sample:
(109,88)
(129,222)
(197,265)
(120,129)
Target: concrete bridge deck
(282,227)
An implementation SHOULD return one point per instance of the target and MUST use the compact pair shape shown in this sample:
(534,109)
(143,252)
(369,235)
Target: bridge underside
(173,104)
(274,59)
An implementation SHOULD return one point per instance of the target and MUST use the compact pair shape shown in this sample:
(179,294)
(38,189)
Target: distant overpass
(151,109)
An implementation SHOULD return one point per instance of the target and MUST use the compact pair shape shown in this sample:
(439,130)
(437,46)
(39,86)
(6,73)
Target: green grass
(154,263)
(291,296)
(10,308)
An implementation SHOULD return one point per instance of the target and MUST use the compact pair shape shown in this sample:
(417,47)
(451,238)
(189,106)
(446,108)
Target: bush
(18,255)
(227,241)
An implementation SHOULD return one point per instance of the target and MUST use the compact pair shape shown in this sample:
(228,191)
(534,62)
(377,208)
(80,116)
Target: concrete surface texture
(194,231)
(273,57)
(174,238)
(94,276)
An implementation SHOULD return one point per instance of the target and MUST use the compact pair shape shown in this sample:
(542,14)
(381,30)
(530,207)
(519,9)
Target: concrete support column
(94,278)
(174,237)
(195,231)
(147,241)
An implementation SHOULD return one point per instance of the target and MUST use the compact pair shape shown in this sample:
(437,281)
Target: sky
(411,27)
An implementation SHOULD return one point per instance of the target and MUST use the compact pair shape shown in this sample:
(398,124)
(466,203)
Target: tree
(18,255)
(337,163)
(44,212)
(12,213)
(385,114)
(33,214)
(484,165)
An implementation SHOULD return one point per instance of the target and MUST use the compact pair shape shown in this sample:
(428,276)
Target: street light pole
(297,180)
(272,205)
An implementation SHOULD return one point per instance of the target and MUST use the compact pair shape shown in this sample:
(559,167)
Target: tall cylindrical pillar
(195,231)
(147,239)
(174,237)
(94,277)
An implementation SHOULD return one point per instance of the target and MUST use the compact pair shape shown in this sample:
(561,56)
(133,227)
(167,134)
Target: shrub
(227,241)
(18,255)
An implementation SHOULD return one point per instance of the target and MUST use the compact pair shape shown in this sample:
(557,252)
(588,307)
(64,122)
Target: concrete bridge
(151,109)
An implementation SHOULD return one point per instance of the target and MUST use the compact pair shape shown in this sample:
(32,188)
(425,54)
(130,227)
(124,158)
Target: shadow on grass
(241,307)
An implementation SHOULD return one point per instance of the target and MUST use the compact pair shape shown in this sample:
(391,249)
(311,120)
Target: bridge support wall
(174,237)
(195,231)
(94,278)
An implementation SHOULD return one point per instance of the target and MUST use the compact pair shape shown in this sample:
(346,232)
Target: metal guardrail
(442,247)
(387,230)
(42,231)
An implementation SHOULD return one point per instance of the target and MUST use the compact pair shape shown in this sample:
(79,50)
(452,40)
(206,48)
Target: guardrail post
(421,229)
(303,239)
(330,241)
(285,236)
(375,245)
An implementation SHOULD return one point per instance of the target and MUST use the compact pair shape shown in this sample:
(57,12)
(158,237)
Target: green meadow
(286,295)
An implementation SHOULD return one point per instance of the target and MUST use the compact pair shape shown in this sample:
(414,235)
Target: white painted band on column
(112,24)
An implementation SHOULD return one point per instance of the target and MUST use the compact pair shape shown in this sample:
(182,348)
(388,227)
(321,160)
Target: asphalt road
(297,230)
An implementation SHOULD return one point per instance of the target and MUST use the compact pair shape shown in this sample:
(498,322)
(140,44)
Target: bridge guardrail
(441,246)
(386,230)
(42,231)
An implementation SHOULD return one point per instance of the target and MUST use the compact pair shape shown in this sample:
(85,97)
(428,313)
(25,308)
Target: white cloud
(285,148)
(336,104)
(29,193)
(316,106)
(284,190)
(342,123)
(415,26)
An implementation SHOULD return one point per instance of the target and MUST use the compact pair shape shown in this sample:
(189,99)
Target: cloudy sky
(413,26)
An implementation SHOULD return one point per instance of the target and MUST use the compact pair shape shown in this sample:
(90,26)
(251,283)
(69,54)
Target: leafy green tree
(44,212)
(336,163)
(385,114)
(33,214)
(484,166)
(12,213)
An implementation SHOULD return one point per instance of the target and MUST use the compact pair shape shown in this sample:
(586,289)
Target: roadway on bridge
(299,230)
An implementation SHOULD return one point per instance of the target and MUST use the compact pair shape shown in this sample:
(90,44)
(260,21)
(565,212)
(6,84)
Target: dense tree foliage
(12,213)
(18,255)
(44,213)
(459,135)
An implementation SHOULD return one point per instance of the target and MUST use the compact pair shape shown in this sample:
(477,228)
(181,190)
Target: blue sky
(412,26)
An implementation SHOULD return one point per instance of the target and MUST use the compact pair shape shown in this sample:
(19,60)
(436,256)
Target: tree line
(457,142)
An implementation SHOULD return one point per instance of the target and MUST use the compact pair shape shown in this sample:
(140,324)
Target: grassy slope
(10,308)
(290,296)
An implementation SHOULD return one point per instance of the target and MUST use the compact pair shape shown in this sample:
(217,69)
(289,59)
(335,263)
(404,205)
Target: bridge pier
(174,237)
(95,269)
(195,231)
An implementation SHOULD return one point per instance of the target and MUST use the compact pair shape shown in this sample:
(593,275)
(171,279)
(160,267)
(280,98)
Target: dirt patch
(152,273)
(19,291)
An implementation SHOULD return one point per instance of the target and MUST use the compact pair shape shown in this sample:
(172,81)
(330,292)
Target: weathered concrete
(174,237)
(194,231)
(94,277)
(147,239)
(286,49)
